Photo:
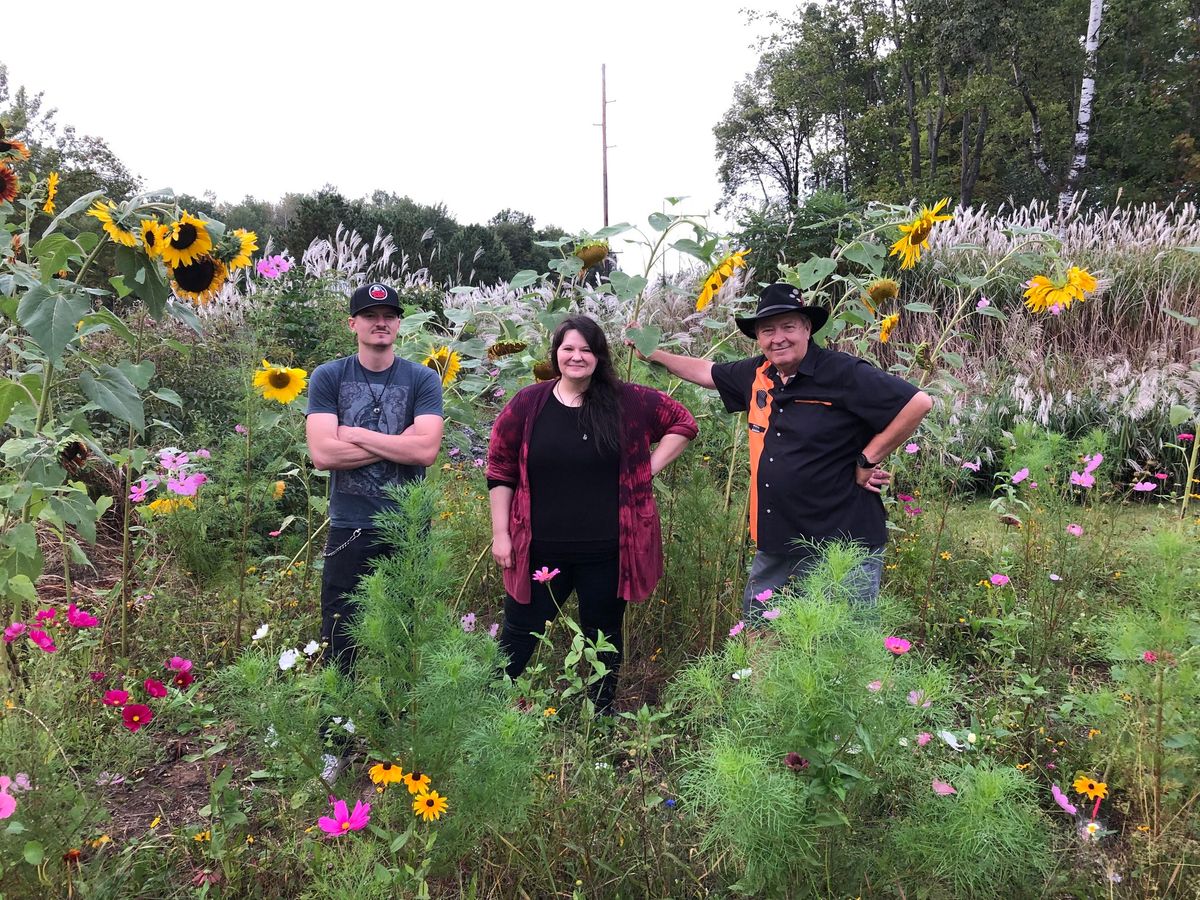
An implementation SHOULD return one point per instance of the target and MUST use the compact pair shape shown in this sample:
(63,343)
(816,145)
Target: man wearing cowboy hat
(820,424)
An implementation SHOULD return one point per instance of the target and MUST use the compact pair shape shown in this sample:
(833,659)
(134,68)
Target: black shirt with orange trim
(805,437)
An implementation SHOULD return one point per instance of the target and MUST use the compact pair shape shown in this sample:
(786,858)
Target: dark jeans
(348,555)
(593,577)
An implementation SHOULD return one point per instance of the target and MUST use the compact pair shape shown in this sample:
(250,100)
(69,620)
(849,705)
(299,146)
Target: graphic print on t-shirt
(357,401)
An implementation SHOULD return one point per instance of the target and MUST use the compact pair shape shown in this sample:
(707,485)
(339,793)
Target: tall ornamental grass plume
(804,738)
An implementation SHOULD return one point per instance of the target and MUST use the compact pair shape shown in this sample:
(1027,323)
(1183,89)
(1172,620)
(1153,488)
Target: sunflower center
(920,232)
(198,276)
(279,379)
(184,237)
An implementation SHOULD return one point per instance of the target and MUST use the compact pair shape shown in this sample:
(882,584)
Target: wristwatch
(864,463)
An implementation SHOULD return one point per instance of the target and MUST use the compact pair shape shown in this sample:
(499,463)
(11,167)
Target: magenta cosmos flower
(1075,530)
(897,645)
(342,821)
(1061,799)
(943,788)
(116,698)
(14,631)
(155,688)
(1020,476)
(1150,656)
(1186,436)
(544,574)
(43,640)
(136,715)
(737,629)
(999,580)
(178,664)
(77,618)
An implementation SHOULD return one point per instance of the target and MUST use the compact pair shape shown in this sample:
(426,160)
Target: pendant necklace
(557,393)
(377,402)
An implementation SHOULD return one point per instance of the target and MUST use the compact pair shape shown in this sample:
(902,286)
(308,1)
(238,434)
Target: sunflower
(386,773)
(543,371)
(199,280)
(104,210)
(886,326)
(880,291)
(51,193)
(416,782)
(11,149)
(429,806)
(717,276)
(1045,295)
(8,184)
(278,383)
(187,238)
(1093,790)
(592,253)
(238,247)
(277,494)
(153,235)
(445,362)
(915,234)
(505,348)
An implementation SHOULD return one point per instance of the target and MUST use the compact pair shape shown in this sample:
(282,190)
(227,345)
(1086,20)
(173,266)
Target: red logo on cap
(377,292)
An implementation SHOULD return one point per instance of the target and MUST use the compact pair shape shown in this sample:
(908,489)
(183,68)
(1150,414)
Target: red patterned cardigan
(647,416)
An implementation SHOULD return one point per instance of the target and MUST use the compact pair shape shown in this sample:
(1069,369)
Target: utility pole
(604,136)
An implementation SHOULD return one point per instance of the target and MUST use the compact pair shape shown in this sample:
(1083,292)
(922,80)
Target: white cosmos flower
(741,674)
(288,658)
(952,741)
(311,647)
(261,633)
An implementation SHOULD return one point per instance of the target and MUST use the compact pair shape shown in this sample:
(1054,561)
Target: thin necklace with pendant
(377,402)
(559,395)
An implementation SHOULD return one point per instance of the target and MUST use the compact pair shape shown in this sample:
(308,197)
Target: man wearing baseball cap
(820,423)
(374,420)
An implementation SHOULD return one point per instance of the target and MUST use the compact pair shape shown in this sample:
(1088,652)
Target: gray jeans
(771,571)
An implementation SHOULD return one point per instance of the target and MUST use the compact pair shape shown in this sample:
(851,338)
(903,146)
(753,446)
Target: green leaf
(868,255)
(691,248)
(1179,741)
(1179,415)
(34,853)
(106,318)
(627,286)
(49,313)
(645,339)
(118,283)
(80,203)
(952,359)
(991,311)
(11,394)
(21,586)
(814,271)
(1190,320)
(613,230)
(659,222)
(523,279)
(144,277)
(182,312)
(14,827)
(52,253)
(111,390)
(168,396)
(139,374)
(919,307)
(23,539)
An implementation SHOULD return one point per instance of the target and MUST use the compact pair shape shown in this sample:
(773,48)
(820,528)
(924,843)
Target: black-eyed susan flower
(445,362)
(886,326)
(386,773)
(153,235)
(187,238)
(1092,789)
(51,193)
(429,806)
(1042,294)
(10,150)
(914,235)
(9,186)
(278,383)
(879,292)
(106,212)
(241,245)
(200,280)
(416,782)
(717,277)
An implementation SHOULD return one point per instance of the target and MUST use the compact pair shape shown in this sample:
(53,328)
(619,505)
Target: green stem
(241,601)
(1191,472)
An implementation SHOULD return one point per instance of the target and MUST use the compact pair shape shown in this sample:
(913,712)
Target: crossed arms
(336,447)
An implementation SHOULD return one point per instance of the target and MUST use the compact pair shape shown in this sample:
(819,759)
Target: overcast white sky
(481,106)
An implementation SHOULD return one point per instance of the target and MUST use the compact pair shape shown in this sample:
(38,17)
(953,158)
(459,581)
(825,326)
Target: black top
(573,484)
(805,437)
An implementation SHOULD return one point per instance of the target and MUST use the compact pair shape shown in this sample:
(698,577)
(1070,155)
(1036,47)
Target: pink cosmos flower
(1054,577)
(875,686)
(21,782)
(1033,484)
(43,640)
(983,303)
(342,821)
(179,664)
(77,618)
(188,486)
(1061,799)
(240,429)
(917,698)
(943,788)
(494,630)
(136,715)
(97,677)
(478,463)
(155,688)
(772,613)
(468,622)
(764,596)
(1161,476)
(737,629)
(905,498)
(116,698)
(14,631)
(924,738)
(1145,486)
(1150,656)
(1091,463)
(544,574)
(897,645)
(999,580)
(1186,436)
(137,492)
(1055,310)
(913,511)
(203,453)
(8,803)
(45,615)
(1075,530)
(972,466)
(276,533)
(1086,480)
(795,761)
(170,461)
(911,448)
(1020,476)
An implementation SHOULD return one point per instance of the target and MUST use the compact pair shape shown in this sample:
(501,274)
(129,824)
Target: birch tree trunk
(1083,125)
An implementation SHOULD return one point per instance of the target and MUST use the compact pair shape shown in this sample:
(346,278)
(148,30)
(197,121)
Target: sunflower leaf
(814,271)
(81,203)
(110,389)
(627,286)
(143,277)
(49,313)
(868,255)
(645,339)
(523,279)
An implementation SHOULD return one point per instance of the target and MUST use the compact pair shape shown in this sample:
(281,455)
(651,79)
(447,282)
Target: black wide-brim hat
(777,299)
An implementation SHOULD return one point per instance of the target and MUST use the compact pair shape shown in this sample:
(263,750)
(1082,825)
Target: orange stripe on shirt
(759,420)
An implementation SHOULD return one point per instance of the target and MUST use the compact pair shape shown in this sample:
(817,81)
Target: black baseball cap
(374,294)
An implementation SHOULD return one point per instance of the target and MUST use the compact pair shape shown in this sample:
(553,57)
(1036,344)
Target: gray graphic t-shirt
(353,393)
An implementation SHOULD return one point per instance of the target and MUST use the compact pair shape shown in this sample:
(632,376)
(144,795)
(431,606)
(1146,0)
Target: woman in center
(570,467)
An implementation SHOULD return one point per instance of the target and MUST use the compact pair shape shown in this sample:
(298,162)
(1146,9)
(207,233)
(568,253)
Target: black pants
(593,576)
(348,557)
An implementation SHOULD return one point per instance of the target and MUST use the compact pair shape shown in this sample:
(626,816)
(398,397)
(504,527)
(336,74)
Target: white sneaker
(331,768)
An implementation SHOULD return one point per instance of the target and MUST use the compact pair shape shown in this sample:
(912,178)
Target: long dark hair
(601,411)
